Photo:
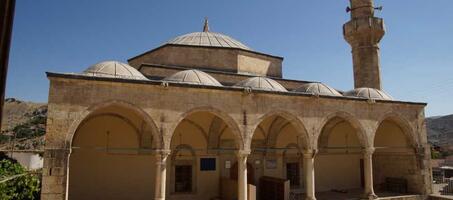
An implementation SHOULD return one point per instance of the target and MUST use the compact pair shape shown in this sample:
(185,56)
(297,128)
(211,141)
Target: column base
(369,197)
(310,198)
(159,198)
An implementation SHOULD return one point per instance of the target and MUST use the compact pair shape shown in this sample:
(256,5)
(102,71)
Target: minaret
(363,32)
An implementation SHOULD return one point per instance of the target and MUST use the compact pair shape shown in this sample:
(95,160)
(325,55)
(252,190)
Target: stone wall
(72,99)
(397,166)
(223,59)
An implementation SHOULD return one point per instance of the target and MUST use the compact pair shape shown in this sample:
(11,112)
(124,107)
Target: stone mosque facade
(206,117)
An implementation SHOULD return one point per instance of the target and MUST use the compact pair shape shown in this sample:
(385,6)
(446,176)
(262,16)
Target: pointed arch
(402,123)
(283,119)
(227,119)
(397,143)
(101,136)
(92,111)
(114,115)
(332,120)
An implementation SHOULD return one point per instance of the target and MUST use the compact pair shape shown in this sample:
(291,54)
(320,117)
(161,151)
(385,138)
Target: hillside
(440,131)
(23,125)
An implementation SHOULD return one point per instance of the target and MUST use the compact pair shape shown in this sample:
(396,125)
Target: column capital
(419,151)
(161,156)
(162,152)
(309,153)
(369,151)
(243,153)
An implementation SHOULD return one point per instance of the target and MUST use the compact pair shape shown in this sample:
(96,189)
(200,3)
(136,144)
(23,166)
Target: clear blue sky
(69,36)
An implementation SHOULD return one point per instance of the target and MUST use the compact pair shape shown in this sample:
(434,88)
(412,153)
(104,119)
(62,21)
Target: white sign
(227,164)
(271,164)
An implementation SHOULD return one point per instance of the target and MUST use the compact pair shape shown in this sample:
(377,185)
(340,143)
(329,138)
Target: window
(183,178)
(292,174)
(207,164)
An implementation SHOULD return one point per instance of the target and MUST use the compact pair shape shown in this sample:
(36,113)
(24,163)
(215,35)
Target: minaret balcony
(371,29)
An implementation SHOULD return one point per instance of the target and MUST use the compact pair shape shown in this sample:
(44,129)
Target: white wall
(31,161)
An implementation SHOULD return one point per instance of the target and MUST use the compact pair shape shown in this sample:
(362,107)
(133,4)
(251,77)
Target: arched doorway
(111,156)
(338,164)
(183,169)
(394,160)
(293,166)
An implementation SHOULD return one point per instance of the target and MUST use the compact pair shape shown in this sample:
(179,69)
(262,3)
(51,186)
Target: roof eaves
(201,46)
(155,82)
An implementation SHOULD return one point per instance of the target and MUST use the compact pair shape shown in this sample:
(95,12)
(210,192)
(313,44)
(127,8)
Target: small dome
(369,93)
(318,89)
(193,76)
(114,69)
(262,83)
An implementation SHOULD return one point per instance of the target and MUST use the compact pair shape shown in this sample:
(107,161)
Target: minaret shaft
(364,32)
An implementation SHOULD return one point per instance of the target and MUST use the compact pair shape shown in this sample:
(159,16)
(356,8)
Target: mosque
(205,117)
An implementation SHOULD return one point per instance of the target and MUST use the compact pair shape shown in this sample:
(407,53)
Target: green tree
(23,187)
(435,154)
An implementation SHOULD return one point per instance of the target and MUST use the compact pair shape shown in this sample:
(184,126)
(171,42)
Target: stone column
(368,168)
(309,160)
(161,174)
(242,174)
(422,155)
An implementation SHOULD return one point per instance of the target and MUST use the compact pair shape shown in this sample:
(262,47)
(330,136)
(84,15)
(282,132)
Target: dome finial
(206,25)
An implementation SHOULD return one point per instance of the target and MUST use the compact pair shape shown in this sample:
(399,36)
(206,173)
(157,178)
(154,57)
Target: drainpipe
(6,27)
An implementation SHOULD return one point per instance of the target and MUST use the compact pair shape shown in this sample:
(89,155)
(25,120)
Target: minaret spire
(206,25)
(364,32)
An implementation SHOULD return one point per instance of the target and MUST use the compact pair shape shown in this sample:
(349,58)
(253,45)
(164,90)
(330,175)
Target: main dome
(208,39)
(114,69)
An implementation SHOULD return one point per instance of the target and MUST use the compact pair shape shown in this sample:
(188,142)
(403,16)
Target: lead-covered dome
(207,39)
(114,69)
(193,76)
(318,89)
(369,93)
(262,83)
